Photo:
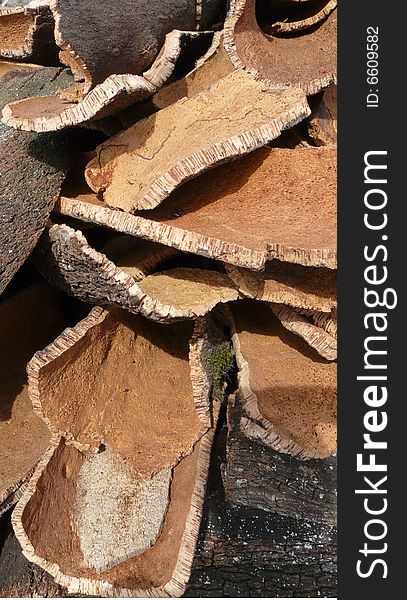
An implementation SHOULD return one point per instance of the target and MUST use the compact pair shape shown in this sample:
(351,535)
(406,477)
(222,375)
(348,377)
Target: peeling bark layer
(135,32)
(66,259)
(288,391)
(42,519)
(28,192)
(244,213)
(307,61)
(139,168)
(297,286)
(116,92)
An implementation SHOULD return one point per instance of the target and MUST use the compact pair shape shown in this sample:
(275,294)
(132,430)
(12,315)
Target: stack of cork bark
(168,281)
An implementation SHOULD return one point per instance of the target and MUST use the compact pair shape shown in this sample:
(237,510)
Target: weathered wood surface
(32,169)
(241,552)
(259,477)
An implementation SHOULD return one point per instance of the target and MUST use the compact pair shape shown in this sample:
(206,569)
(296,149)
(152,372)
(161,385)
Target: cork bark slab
(244,213)
(101,39)
(42,522)
(140,167)
(212,66)
(322,125)
(307,61)
(295,26)
(140,388)
(27,33)
(116,92)
(65,258)
(309,288)
(316,337)
(26,326)
(288,391)
(27,193)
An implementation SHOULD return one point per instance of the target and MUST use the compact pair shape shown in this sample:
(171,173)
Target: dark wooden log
(259,477)
(32,168)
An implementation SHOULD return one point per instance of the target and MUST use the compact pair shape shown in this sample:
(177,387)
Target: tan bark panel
(289,393)
(244,213)
(307,61)
(140,167)
(309,288)
(42,522)
(116,379)
(65,259)
(25,326)
(214,65)
(116,92)
(185,292)
(324,343)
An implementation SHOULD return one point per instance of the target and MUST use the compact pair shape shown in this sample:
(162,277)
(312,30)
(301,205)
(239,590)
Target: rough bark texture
(307,61)
(244,213)
(139,168)
(65,259)
(32,169)
(259,477)
(115,93)
(99,39)
(241,552)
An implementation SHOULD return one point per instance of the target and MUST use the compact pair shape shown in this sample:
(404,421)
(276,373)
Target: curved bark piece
(308,288)
(288,392)
(27,33)
(27,194)
(65,258)
(135,29)
(116,92)
(307,61)
(25,327)
(139,168)
(42,519)
(140,388)
(302,24)
(324,343)
(212,66)
(322,125)
(244,213)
